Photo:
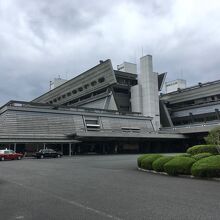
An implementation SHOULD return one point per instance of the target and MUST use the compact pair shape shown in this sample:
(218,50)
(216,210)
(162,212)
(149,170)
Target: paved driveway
(101,187)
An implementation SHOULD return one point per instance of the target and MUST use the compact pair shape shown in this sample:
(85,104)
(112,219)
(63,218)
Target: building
(175,85)
(113,111)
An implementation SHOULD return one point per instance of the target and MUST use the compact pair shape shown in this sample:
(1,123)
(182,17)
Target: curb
(185,176)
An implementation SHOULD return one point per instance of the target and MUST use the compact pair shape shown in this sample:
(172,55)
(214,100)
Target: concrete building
(57,82)
(113,111)
(175,85)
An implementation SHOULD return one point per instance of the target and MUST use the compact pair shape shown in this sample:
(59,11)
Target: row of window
(195,119)
(75,91)
(94,125)
(195,102)
(86,96)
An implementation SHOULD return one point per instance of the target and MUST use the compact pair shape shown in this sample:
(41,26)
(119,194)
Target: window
(92,124)
(63,96)
(101,80)
(68,94)
(80,89)
(93,83)
(86,86)
(130,129)
(74,91)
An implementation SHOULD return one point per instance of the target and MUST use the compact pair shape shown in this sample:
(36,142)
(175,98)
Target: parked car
(10,155)
(47,153)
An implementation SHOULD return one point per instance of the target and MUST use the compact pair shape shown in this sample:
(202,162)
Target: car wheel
(41,156)
(58,156)
(2,158)
(19,158)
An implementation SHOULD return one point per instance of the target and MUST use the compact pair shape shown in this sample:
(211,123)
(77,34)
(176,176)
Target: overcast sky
(41,39)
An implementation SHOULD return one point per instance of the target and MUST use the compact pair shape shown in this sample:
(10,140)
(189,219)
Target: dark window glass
(93,83)
(101,80)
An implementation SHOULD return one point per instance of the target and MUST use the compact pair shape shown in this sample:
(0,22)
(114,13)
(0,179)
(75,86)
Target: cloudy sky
(42,39)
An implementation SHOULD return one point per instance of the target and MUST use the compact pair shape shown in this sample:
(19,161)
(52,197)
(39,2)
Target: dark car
(43,153)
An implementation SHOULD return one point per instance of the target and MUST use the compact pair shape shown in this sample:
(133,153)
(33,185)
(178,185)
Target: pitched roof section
(93,79)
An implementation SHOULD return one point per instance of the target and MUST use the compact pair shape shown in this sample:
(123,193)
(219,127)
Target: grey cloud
(40,40)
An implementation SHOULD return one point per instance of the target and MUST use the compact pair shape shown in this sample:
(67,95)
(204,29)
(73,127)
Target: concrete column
(15,145)
(44,146)
(62,148)
(148,80)
(70,150)
(217,114)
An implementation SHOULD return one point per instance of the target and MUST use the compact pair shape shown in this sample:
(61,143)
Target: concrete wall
(47,123)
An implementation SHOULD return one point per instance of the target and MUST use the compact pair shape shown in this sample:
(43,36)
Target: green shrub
(183,155)
(201,155)
(147,162)
(202,149)
(158,163)
(179,165)
(140,158)
(207,167)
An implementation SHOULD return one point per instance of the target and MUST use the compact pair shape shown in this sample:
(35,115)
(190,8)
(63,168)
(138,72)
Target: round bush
(158,163)
(147,162)
(179,165)
(183,155)
(140,158)
(201,155)
(202,149)
(207,167)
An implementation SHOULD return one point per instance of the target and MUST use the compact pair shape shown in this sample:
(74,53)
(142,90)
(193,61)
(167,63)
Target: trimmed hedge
(159,163)
(202,149)
(179,165)
(201,155)
(147,162)
(207,167)
(184,155)
(140,158)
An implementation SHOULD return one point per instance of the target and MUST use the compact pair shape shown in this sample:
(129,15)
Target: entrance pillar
(70,150)
(62,148)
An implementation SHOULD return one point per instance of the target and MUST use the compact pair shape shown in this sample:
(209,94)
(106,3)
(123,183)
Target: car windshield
(7,152)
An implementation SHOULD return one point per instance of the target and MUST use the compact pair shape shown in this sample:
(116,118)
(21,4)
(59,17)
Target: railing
(118,130)
(216,122)
(66,108)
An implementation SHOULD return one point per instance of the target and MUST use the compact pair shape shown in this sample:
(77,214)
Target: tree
(213,137)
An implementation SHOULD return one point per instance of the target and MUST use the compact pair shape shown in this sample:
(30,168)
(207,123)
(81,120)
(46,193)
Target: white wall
(128,67)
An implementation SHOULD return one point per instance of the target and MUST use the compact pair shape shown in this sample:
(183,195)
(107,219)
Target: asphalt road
(101,187)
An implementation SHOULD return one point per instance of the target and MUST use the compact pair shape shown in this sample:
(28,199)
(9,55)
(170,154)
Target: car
(10,155)
(43,153)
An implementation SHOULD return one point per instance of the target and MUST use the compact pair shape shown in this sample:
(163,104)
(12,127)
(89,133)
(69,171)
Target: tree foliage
(213,137)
